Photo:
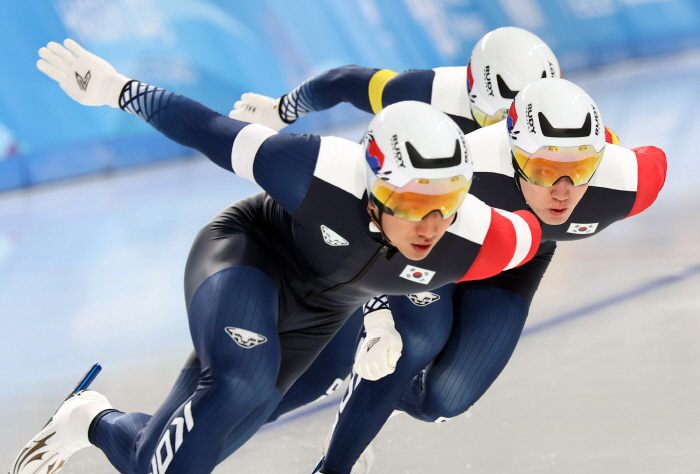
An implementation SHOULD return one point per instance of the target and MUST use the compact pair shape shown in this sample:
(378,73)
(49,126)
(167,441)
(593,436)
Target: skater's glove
(256,108)
(86,78)
(382,347)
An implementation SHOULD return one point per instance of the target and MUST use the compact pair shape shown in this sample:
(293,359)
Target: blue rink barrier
(215,50)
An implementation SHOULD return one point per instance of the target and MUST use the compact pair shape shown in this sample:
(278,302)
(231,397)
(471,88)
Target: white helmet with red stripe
(502,63)
(417,161)
(555,129)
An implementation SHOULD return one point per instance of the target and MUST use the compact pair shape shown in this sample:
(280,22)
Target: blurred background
(214,50)
(97,213)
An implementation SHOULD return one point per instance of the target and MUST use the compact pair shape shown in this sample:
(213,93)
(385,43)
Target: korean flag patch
(419,275)
(582,228)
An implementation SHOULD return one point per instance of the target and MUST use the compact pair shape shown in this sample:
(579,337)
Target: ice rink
(606,378)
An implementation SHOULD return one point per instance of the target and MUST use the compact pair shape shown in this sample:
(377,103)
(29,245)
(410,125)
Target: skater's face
(413,239)
(554,204)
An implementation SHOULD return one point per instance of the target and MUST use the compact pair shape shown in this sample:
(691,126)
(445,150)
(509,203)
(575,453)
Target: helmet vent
(503,89)
(431,163)
(549,131)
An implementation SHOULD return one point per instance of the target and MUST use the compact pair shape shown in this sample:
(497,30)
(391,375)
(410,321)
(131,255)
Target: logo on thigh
(423,299)
(244,338)
(165,452)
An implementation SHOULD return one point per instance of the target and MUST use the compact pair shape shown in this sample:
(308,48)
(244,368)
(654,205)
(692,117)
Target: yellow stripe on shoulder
(376,88)
(611,137)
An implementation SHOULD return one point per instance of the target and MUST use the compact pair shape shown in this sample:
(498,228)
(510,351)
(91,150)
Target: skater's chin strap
(376,220)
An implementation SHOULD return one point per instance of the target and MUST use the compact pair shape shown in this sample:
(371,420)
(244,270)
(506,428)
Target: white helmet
(417,161)
(502,63)
(555,131)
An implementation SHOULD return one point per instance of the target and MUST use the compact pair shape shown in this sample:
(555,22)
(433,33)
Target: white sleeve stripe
(523,237)
(246,146)
(342,164)
(473,220)
(449,93)
(617,169)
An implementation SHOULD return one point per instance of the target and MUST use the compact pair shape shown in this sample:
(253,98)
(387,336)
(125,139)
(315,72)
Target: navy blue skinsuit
(458,344)
(267,284)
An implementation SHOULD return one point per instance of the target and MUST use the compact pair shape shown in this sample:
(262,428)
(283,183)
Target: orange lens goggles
(420,197)
(548,164)
(484,119)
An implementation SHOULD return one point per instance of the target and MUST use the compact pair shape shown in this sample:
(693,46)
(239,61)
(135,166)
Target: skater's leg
(367,405)
(488,323)
(328,371)
(235,380)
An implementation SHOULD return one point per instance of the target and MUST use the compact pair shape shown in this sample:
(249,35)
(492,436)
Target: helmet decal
(374,155)
(470,78)
(549,131)
(504,90)
(487,80)
(418,161)
(597,119)
(512,117)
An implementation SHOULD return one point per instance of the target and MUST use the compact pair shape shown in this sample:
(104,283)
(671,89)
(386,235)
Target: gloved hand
(256,108)
(86,78)
(382,348)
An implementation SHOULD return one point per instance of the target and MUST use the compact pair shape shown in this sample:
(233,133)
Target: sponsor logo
(582,228)
(530,121)
(332,238)
(397,151)
(354,382)
(597,120)
(423,299)
(334,386)
(244,338)
(83,81)
(160,460)
(551,69)
(370,344)
(487,78)
(418,275)
(464,148)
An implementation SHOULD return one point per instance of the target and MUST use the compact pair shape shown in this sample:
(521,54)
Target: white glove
(86,78)
(382,348)
(256,108)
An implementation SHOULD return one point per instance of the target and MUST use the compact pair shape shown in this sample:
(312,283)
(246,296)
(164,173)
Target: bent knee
(440,409)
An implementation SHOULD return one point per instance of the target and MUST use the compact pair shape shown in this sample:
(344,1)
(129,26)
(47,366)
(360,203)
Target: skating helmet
(555,130)
(501,64)
(417,162)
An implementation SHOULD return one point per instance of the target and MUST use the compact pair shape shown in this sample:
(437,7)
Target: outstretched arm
(283,165)
(367,89)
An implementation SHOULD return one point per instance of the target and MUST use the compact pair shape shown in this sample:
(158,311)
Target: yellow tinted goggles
(484,119)
(548,164)
(420,197)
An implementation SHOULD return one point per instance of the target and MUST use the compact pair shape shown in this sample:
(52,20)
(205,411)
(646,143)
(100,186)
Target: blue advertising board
(215,50)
